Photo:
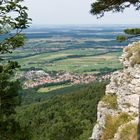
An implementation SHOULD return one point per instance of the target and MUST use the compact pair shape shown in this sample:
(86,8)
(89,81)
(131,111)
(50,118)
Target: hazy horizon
(62,12)
(34,26)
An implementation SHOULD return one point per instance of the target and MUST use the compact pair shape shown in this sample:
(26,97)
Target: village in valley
(35,78)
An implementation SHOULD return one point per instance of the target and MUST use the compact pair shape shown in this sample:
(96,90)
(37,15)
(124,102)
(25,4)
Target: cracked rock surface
(125,85)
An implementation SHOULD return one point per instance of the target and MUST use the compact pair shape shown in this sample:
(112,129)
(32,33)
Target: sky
(62,12)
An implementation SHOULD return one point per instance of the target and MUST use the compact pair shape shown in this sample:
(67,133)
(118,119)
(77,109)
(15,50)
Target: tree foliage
(99,8)
(102,6)
(67,116)
(13,19)
(131,33)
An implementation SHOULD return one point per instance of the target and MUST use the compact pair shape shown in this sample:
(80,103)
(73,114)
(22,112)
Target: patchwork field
(38,55)
(70,49)
(91,60)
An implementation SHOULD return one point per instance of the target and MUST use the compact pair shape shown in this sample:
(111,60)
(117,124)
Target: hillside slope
(117,117)
(67,116)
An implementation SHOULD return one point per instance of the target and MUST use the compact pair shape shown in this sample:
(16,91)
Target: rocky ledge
(118,111)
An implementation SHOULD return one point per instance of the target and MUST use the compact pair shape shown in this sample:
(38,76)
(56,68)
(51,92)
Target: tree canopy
(68,115)
(99,8)
(13,19)
(102,6)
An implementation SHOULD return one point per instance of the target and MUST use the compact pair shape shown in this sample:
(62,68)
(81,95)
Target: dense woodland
(68,116)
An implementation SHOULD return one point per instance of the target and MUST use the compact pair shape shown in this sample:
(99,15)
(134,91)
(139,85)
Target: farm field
(91,61)
(70,49)
(51,88)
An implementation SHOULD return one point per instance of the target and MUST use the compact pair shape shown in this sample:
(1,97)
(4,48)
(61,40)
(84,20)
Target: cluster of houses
(36,78)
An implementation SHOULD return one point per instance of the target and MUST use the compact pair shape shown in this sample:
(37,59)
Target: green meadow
(37,54)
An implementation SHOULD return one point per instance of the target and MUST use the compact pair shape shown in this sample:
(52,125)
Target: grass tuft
(110,101)
(129,132)
(113,123)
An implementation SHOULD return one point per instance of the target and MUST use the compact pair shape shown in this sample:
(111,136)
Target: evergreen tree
(13,19)
(99,7)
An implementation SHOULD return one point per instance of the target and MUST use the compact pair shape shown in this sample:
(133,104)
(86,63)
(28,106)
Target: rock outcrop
(118,111)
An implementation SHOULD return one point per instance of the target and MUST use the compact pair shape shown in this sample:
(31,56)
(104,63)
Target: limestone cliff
(117,116)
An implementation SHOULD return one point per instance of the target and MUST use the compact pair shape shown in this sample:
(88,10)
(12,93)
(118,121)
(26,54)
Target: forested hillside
(63,117)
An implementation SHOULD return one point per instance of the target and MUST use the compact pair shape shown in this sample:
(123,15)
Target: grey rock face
(125,85)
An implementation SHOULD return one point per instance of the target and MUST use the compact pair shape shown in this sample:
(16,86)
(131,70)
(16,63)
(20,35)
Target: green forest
(68,116)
